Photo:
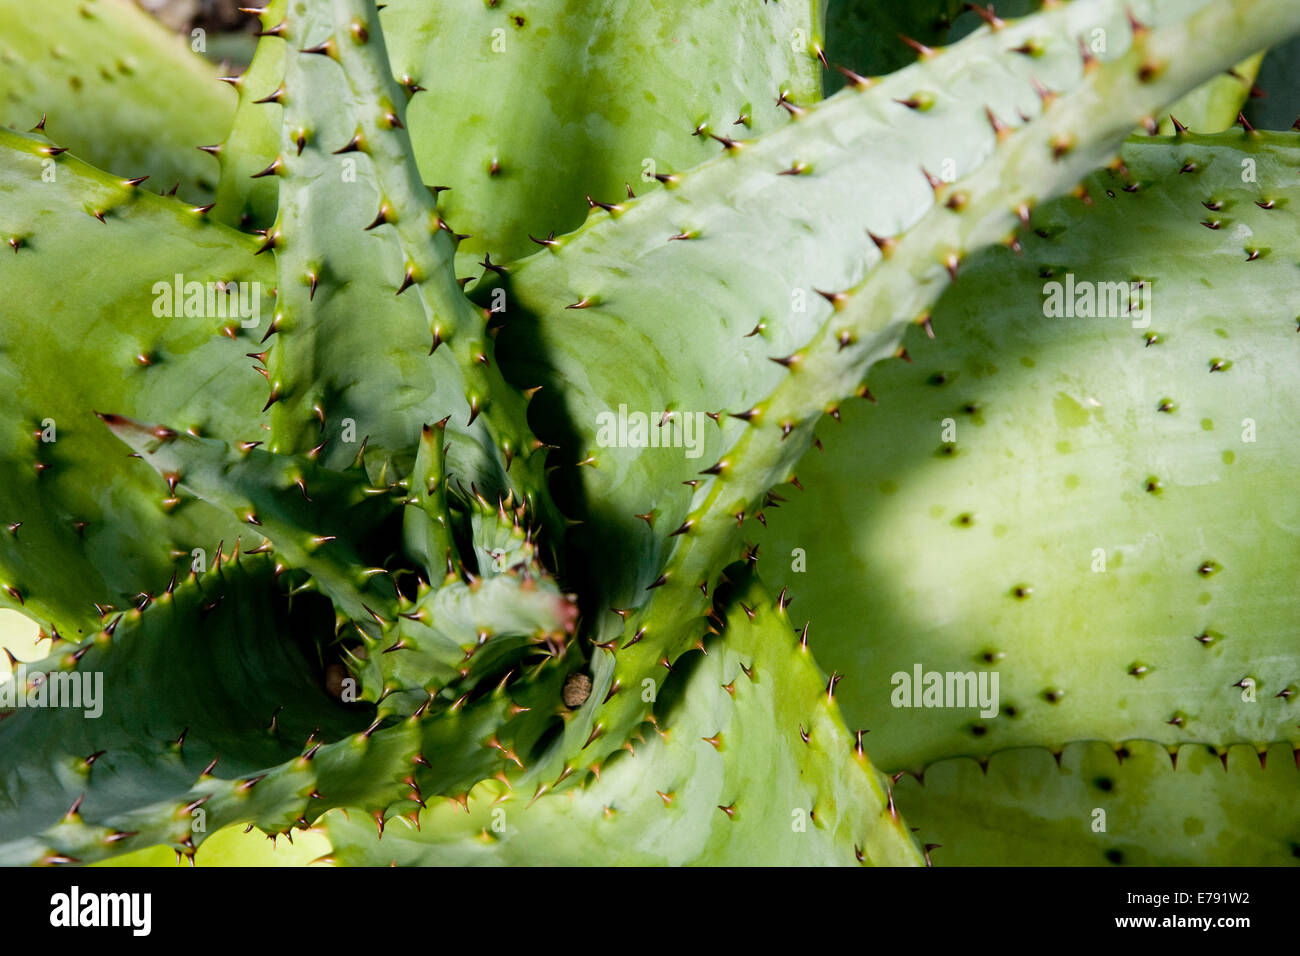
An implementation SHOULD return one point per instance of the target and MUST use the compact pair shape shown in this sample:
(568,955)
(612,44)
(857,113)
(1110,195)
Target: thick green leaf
(586,127)
(1098,510)
(243,685)
(746,763)
(231,681)
(243,198)
(117,88)
(92,321)
(358,235)
(319,521)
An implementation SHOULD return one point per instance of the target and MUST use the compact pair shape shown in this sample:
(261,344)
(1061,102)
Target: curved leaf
(1097,507)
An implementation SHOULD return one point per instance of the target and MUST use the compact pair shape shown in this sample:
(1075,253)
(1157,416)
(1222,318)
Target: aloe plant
(561,409)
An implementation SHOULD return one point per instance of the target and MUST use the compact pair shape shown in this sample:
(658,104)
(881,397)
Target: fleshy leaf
(373,337)
(94,69)
(1097,508)
(251,694)
(115,299)
(745,763)
(315,519)
(594,135)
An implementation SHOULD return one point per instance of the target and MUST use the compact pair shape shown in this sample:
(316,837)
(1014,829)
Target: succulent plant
(500,569)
